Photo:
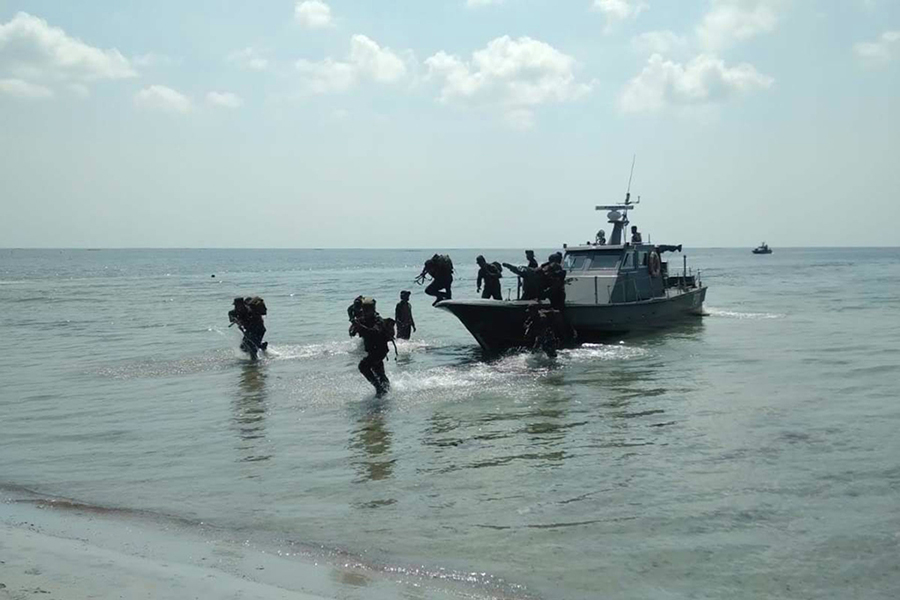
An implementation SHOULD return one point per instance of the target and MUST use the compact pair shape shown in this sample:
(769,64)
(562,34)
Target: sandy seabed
(62,550)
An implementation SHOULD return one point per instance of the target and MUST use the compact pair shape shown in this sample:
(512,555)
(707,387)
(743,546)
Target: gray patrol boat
(611,289)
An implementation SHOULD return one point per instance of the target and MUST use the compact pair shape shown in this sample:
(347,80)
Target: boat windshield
(575,262)
(592,260)
(605,260)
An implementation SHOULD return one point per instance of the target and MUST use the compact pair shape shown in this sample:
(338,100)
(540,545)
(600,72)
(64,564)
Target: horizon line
(380,248)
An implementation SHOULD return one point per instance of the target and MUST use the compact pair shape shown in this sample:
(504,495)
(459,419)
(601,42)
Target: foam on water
(589,352)
(730,314)
(323,350)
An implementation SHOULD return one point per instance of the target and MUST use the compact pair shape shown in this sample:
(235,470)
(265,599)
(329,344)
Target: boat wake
(730,314)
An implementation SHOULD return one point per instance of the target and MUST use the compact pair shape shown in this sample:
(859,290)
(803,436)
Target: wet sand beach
(55,548)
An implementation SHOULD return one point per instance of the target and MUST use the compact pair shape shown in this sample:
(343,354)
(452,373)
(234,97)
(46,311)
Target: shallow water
(751,453)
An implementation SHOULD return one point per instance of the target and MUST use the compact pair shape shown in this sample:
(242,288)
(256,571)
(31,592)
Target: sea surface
(750,453)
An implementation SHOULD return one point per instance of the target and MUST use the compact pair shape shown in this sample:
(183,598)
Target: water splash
(323,350)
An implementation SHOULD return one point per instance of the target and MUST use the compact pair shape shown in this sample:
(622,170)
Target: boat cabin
(613,274)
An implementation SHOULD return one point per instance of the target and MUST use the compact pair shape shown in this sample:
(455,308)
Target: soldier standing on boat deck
(404,317)
(490,273)
(636,235)
(553,282)
(531,280)
(532,261)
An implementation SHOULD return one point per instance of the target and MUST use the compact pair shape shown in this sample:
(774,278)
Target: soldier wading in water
(404,317)
(376,334)
(248,314)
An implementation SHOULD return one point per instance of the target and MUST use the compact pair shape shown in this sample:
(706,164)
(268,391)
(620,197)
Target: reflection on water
(685,330)
(250,413)
(371,443)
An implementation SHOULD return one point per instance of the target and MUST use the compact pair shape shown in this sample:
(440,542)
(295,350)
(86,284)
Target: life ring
(654,264)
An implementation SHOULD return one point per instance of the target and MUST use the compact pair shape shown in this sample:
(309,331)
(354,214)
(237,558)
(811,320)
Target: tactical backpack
(499,268)
(443,263)
(257,305)
(388,328)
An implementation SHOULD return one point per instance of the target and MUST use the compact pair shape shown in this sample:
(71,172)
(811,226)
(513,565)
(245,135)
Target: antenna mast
(628,191)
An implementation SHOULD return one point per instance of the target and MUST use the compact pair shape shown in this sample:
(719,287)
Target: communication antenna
(628,191)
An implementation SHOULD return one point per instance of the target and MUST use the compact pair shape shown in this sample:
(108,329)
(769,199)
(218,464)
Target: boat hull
(499,325)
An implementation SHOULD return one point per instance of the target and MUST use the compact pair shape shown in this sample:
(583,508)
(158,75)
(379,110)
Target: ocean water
(750,453)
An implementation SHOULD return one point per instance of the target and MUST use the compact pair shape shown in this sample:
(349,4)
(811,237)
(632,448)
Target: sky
(448,123)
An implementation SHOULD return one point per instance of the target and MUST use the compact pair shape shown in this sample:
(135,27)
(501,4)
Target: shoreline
(59,548)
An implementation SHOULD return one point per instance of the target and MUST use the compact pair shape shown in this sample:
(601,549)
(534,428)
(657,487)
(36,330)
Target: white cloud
(32,49)
(160,97)
(366,60)
(313,14)
(152,59)
(731,21)
(659,42)
(480,3)
(23,89)
(617,11)
(224,99)
(326,76)
(879,52)
(515,75)
(705,79)
(249,58)
(381,64)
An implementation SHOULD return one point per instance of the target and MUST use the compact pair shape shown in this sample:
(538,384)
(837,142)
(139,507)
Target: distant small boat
(762,249)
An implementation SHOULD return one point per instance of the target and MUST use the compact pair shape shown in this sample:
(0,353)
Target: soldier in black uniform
(540,334)
(355,309)
(532,261)
(636,237)
(373,330)
(531,279)
(404,317)
(248,315)
(553,282)
(440,268)
(491,275)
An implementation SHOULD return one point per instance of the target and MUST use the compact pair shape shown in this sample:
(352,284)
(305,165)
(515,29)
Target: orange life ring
(654,264)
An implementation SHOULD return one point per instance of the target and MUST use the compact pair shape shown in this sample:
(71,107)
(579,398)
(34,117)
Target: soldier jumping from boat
(540,330)
(440,268)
